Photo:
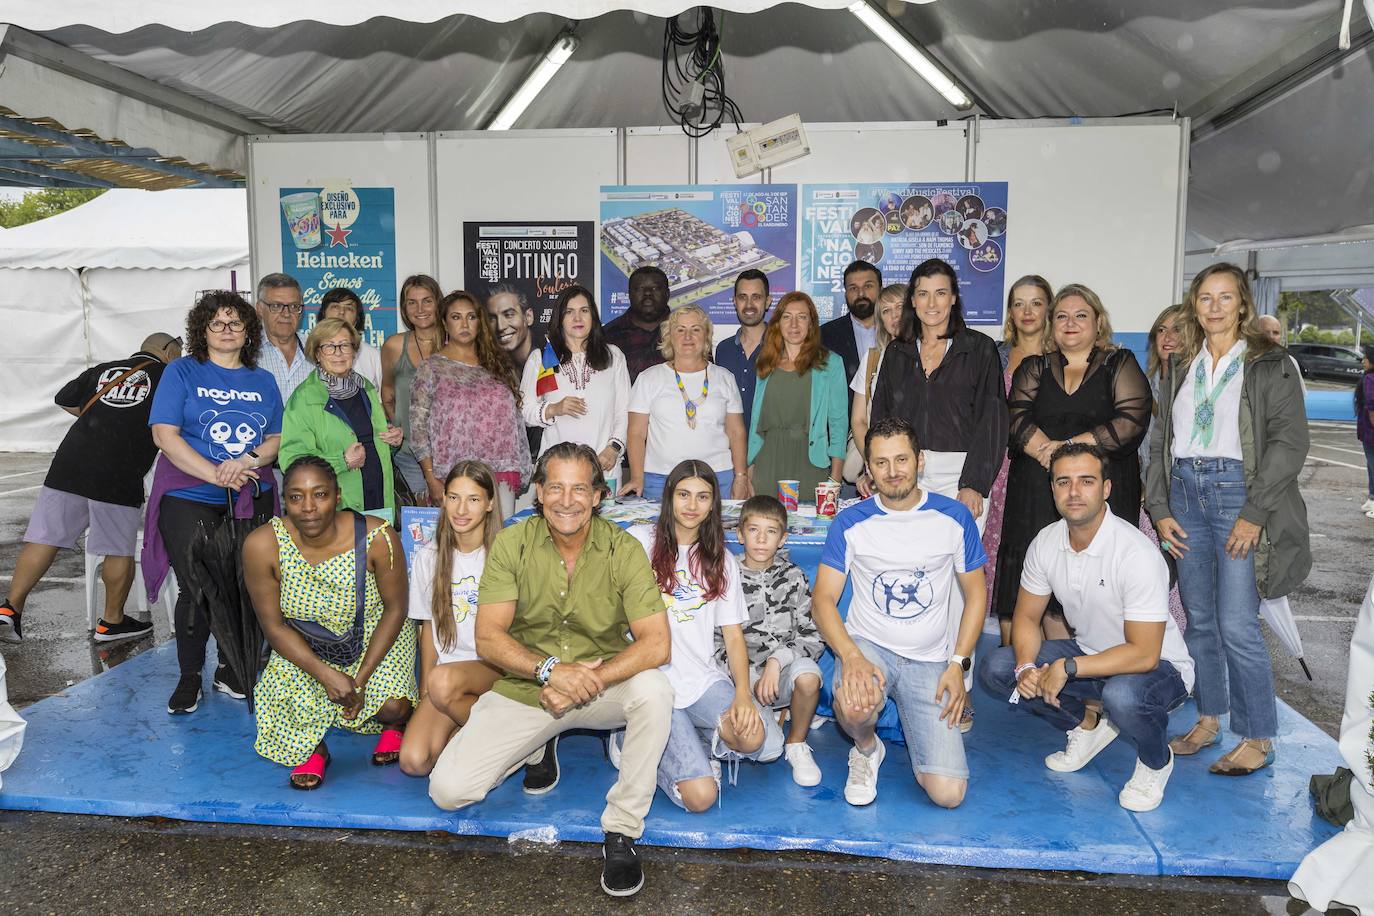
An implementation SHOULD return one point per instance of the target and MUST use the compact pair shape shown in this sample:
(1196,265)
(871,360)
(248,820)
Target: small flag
(547,379)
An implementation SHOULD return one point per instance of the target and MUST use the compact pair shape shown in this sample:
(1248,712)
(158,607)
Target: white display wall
(1100,202)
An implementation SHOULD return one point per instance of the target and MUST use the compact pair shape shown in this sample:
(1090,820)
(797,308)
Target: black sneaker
(541,777)
(621,874)
(228,683)
(10,628)
(128,628)
(186,697)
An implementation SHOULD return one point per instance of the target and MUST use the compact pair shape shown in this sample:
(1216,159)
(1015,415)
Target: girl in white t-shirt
(443,597)
(715,716)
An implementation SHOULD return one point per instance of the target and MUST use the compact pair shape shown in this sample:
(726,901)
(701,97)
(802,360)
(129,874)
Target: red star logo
(338,236)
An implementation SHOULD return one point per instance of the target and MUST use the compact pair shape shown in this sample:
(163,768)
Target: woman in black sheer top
(1083,389)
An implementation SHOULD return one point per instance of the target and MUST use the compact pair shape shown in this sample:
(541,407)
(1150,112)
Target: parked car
(1341,364)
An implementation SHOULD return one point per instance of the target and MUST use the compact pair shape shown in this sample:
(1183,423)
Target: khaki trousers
(501,733)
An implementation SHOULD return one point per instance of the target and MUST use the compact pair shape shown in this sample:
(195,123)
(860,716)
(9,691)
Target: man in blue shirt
(739,352)
(283,350)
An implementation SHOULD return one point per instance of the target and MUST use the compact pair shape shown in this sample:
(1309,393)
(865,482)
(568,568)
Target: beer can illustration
(827,499)
(788,494)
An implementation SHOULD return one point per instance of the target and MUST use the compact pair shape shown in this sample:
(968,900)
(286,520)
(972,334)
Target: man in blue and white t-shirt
(902,550)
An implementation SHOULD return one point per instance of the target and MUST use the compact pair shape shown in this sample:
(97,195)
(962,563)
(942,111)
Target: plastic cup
(302,212)
(612,485)
(827,500)
(788,494)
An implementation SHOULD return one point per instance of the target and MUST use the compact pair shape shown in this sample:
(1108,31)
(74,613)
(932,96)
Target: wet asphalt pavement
(57,863)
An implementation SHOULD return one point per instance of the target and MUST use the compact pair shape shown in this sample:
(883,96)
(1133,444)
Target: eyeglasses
(333,348)
(294,308)
(217,325)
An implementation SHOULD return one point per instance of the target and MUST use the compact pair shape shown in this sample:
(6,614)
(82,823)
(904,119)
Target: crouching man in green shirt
(558,593)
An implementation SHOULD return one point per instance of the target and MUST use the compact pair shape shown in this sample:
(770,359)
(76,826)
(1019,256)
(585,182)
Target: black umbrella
(216,561)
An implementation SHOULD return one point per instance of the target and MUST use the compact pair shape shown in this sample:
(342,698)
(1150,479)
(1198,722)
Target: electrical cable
(702,70)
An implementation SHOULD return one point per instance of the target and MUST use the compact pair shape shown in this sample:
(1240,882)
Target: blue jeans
(653,484)
(694,739)
(1137,704)
(1234,670)
(934,747)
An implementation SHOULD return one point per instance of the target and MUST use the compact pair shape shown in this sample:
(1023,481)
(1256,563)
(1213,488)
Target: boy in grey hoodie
(782,640)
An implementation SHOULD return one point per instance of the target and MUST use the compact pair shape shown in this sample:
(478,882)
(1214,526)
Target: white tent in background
(89,284)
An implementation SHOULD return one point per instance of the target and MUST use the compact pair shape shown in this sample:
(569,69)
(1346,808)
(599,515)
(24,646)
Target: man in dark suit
(853,334)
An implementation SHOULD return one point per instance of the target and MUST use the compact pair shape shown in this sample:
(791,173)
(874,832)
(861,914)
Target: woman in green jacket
(336,414)
(800,420)
(1222,486)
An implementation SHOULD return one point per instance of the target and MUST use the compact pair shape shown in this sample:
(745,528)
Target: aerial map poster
(701,236)
(896,226)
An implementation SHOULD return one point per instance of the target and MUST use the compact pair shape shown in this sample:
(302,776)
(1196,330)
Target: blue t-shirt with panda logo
(222,413)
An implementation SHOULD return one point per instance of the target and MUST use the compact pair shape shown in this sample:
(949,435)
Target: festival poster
(701,236)
(340,235)
(898,225)
(530,263)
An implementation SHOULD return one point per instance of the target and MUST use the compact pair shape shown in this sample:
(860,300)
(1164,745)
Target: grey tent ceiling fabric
(1298,166)
(189,17)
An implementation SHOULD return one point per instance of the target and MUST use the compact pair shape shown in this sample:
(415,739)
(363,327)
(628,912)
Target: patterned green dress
(293,709)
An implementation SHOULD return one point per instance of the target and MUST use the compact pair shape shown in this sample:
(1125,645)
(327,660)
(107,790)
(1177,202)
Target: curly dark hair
(205,309)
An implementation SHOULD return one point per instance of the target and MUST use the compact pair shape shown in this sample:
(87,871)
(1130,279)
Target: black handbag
(346,648)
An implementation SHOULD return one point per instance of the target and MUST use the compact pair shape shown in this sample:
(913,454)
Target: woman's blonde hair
(675,318)
(897,293)
(324,330)
(1104,321)
(1009,326)
(1256,341)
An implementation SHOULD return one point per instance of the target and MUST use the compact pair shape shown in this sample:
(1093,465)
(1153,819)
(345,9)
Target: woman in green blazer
(800,420)
(336,414)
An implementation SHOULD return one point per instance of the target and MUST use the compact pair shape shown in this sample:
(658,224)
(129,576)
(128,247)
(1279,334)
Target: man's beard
(861,308)
(898,494)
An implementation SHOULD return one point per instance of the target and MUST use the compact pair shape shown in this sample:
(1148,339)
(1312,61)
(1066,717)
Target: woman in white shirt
(715,716)
(344,304)
(587,396)
(443,597)
(687,407)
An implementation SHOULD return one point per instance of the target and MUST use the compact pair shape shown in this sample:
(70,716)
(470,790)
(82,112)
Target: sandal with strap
(388,749)
(310,775)
(1198,737)
(1230,765)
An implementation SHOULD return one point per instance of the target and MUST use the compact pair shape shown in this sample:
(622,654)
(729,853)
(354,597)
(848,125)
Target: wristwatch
(963,661)
(1071,668)
(255,456)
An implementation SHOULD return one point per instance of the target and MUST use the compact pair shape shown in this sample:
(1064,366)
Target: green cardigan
(829,427)
(308,427)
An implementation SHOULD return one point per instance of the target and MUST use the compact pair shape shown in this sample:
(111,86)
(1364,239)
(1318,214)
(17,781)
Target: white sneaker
(1368,506)
(1083,746)
(862,786)
(804,769)
(1146,789)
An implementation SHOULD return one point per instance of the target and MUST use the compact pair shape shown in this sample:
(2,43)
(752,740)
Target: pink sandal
(388,749)
(314,767)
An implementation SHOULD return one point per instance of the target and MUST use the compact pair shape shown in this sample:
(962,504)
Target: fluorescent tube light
(557,55)
(913,54)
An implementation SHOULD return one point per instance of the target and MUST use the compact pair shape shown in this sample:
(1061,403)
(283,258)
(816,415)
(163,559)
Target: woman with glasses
(216,418)
(345,305)
(337,415)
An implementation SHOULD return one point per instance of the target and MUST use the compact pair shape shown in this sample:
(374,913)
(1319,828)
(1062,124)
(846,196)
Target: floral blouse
(458,411)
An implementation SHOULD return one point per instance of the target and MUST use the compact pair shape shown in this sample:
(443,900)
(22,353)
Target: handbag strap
(360,566)
(115,382)
(873,355)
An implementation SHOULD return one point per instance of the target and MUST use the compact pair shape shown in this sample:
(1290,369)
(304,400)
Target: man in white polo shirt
(902,550)
(1127,651)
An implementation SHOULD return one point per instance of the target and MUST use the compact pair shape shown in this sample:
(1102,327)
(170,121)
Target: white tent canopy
(90,284)
(176,230)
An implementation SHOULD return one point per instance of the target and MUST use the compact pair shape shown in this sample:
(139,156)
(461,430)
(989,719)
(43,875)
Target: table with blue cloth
(805,540)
